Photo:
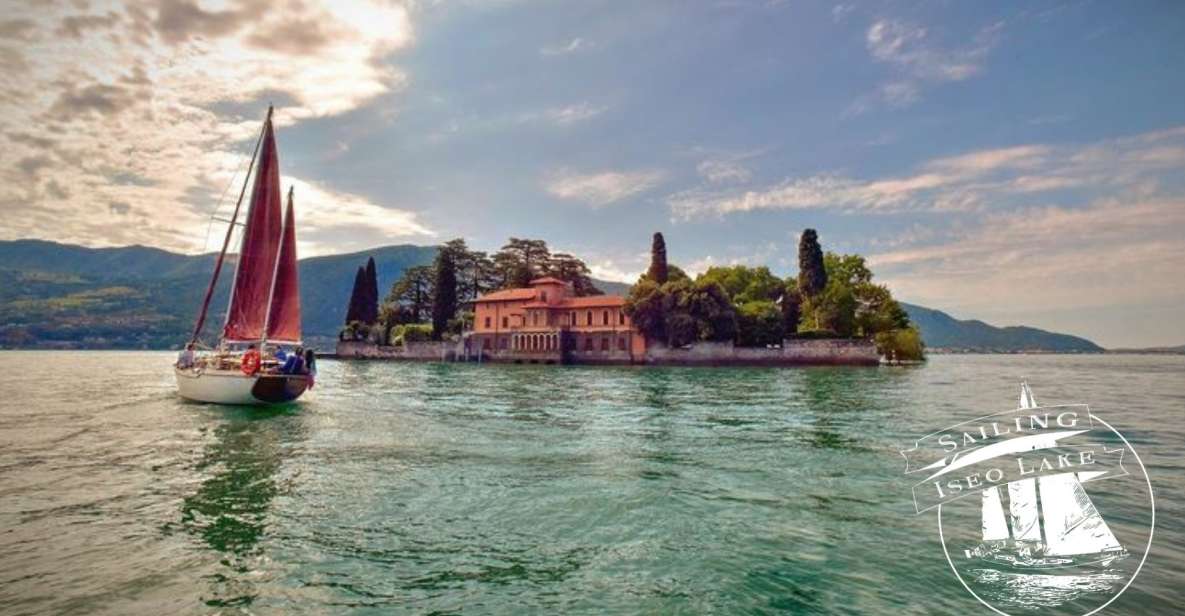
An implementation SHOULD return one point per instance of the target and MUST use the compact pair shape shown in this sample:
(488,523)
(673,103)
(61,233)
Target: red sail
(283,324)
(257,259)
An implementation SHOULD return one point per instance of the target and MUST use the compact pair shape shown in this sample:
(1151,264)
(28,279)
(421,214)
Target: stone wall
(793,352)
(418,351)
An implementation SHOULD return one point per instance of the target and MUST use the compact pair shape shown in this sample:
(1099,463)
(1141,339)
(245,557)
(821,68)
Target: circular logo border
(1147,548)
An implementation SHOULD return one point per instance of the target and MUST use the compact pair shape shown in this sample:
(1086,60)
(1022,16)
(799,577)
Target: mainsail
(1071,523)
(246,318)
(283,321)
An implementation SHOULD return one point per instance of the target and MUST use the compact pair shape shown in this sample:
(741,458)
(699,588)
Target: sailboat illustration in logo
(1050,523)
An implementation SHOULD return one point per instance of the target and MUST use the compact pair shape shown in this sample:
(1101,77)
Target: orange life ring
(250,363)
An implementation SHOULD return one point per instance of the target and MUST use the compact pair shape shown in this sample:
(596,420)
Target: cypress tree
(355,297)
(658,260)
(369,311)
(444,301)
(812,275)
(791,310)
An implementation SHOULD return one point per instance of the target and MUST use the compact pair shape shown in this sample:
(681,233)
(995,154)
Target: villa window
(621,344)
(534,318)
(604,344)
(588,318)
(588,344)
(487,322)
(505,322)
(620,318)
(605,317)
(485,344)
(543,295)
(502,344)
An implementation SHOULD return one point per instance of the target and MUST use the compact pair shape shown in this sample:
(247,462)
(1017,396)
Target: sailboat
(1051,523)
(263,310)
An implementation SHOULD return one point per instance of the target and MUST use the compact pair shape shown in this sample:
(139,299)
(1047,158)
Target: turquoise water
(417,488)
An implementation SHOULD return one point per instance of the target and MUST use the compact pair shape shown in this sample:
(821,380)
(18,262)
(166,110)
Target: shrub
(901,344)
(410,332)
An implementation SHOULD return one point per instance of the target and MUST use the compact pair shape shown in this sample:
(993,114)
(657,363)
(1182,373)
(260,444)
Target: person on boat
(310,365)
(295,362)
(250,362)
(185,359)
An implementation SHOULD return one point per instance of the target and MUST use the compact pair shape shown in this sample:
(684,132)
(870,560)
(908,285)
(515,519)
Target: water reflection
(230,508)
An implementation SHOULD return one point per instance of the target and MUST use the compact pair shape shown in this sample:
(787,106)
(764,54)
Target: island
(527,305)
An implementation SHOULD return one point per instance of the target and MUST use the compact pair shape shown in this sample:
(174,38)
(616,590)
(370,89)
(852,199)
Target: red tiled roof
(547,280)
(506,295)
(594,301)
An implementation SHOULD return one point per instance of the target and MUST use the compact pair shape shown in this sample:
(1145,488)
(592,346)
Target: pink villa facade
(547,323)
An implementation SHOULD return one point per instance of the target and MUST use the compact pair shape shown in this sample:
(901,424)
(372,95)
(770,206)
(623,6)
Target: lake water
(417,488)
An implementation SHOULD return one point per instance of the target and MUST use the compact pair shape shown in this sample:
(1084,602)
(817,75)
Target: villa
(547,323)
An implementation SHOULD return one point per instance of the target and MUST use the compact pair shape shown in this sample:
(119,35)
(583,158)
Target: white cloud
(331,222)
(723,171)
(604,188)
(908,49)
(571,46)
(1118,251)
(151,107)
(972,181)
(572,114)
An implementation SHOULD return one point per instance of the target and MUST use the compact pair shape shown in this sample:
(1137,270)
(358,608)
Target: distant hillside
(940,330)
(62,296)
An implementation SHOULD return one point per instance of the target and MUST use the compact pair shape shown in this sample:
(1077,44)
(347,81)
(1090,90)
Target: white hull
(234,387)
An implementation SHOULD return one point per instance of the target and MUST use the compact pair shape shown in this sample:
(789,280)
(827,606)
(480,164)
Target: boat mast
(201,320)
(271,294)
(230,300)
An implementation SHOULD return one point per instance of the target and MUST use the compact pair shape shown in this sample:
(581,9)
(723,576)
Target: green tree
(476,272)
(846,269)
(658,271)
(708,303)
(791,309)
(812,273)
(745,284)
(520,261)
(644,306)
(413,291)
(573,271)
(833,310)
(368,309)
(353,309)
(759,323)
(903,344)
(444,299)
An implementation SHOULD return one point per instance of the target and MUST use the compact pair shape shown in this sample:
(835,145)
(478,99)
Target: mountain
(942,331)
(62,296)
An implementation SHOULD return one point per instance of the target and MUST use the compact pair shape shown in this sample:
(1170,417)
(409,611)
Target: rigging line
(197,328)
(210,225)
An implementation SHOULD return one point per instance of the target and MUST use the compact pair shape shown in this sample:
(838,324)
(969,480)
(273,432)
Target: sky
(1016,163)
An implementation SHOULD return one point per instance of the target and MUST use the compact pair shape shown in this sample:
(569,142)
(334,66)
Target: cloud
(723,171)
(572,114)
(604,188)
(172,94)
(1118,251)
(572,46)
(907,48)
(330,221)
(968,182)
